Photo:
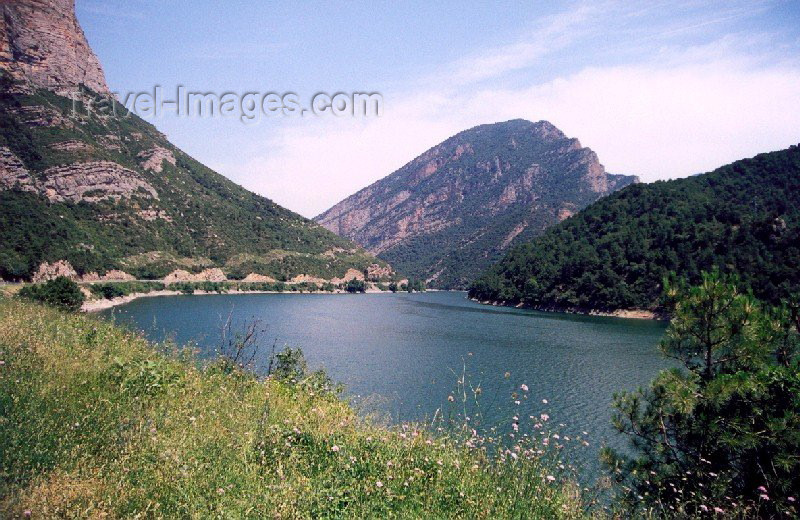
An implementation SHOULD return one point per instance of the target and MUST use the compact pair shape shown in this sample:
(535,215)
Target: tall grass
(96,422)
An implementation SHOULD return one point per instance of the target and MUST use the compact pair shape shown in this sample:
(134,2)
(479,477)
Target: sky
(658,89)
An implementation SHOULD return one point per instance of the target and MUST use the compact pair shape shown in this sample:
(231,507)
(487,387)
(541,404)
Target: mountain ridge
(742,218)
(106,193)
(449,212)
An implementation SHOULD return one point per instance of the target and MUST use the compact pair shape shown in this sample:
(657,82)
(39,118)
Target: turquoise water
(402,355)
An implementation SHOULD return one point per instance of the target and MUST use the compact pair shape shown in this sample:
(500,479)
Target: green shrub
(723,433)
(356,286)
(61,292)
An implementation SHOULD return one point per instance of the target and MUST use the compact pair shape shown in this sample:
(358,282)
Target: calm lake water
(402,354)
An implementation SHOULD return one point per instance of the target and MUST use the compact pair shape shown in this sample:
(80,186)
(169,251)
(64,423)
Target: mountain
(104,190)
(451,212)
(743,218)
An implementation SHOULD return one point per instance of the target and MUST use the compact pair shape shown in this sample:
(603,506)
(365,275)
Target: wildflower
(379,484)
(704,507)
(718,510)
(762,489)
(514,456)
(334,448)
(790,499)
(523,387)
(550,478)
(763,496)
(27,513)
(507,375)
(451,398)
(544,401)
(544,417)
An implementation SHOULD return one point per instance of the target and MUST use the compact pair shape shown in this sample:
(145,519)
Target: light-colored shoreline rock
(214,274)
(255,277)
(351,274)
(48,271)
(304,278)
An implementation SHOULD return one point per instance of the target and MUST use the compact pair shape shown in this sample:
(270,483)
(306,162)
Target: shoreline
(633,314)
(102,304)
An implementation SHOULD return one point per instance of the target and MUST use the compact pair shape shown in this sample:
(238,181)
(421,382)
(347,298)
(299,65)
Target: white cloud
(675,112)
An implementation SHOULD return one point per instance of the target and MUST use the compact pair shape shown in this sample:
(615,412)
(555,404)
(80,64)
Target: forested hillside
(742,218)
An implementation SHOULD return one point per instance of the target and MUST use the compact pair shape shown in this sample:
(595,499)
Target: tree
(723,431)
(356,286)
(61,292)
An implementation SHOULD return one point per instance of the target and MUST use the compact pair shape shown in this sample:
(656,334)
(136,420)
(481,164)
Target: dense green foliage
(96,423)
(723,432)
(202,219)
(356,286)
(742,218)
(61,292)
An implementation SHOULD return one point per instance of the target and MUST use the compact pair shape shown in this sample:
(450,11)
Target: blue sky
(657,89)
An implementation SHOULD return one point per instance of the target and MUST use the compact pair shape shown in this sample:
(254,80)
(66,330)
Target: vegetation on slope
(449,214)
(742,218)
(721,434)
(206,220)
(97,422)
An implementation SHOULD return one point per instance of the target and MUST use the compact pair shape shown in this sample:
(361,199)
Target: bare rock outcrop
(255,277)
(93,182)
(89,181)
(376,272)
(470,198)
(71,145)
(13,173)
(48,271)
(178,275)
(154,158)
(41,116)
(42,44)
(214,274)
(305,278)
(115,275)
(351,274)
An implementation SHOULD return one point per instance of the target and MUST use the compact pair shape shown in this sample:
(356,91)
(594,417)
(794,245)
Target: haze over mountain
(448,214)
(743,218)
(106,192)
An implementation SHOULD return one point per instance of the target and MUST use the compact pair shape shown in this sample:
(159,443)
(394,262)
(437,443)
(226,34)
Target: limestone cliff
(42,44)
(449,213)
(92,194)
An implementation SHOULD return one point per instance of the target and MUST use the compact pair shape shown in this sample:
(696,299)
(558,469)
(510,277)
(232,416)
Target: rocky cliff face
(92,195)
(452,211)
(42,44)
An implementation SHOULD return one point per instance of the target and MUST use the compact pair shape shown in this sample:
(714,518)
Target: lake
(403,354)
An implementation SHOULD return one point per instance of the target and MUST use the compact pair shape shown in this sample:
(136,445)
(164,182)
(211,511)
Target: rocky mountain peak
(450,212)
(42,44)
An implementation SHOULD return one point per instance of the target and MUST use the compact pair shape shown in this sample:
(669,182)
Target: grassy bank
(96,422)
